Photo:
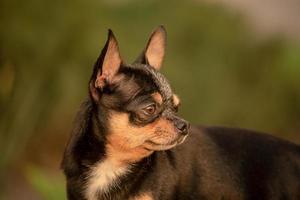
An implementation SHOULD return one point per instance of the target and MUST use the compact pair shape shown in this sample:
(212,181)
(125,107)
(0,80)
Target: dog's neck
(114,150)
(103,177)
(100,167)
(114,166)
(112,178)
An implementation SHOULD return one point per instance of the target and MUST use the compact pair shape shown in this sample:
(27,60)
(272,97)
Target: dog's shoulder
(236,161)
(231,138)
(236,143)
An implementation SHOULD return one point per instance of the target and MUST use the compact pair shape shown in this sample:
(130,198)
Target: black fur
(213,162)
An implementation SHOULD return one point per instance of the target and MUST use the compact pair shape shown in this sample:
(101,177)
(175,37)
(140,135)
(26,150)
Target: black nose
(182,126)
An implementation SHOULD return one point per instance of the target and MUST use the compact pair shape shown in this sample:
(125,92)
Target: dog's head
(137,100)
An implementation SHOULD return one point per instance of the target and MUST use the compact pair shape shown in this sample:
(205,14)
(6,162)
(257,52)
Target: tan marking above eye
(176,100)
(157,97)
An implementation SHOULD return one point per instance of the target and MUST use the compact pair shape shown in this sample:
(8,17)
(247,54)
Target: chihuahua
(128,142)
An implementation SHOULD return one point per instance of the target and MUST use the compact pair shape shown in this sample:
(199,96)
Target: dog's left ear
(154,52)
(106,67)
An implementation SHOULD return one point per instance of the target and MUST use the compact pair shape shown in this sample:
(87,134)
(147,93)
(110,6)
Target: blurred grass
(222,71)
(47,186)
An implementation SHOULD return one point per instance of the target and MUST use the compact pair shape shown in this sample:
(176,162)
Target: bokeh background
(232,62)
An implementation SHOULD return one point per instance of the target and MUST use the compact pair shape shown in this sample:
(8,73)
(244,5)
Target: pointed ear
(155,50)
(107,65)
(111,61)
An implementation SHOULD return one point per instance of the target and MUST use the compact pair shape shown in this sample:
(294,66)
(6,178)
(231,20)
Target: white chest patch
(103,176)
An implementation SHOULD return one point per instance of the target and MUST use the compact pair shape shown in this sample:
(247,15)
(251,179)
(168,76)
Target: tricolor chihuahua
(128,142)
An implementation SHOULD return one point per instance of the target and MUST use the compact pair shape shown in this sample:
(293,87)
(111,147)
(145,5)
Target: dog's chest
(103,176)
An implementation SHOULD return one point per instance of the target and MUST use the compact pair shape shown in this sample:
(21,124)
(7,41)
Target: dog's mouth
(153,146)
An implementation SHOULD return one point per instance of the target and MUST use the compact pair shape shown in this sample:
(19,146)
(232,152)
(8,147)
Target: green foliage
(222,73)
(47,186)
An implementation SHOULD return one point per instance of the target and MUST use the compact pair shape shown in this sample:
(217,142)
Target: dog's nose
(182,126)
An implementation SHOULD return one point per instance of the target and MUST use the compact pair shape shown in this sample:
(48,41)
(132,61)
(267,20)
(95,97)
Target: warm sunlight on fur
(133,143)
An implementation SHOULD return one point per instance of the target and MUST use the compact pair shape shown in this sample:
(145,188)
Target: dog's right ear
(106,67)
(154,52)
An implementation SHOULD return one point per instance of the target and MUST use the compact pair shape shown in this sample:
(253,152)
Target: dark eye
(149,110)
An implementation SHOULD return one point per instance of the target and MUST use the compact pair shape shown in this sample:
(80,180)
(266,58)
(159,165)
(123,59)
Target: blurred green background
(225,71)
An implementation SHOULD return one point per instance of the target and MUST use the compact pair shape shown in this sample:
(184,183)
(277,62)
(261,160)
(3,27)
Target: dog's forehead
(159,80)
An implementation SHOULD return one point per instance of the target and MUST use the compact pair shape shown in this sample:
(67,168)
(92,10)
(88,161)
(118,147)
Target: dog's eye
(149,110)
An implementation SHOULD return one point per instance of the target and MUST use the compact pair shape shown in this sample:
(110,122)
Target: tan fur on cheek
(122,133)
(124,142)
(127,143)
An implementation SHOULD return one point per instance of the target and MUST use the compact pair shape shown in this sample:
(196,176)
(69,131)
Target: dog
(128,142)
